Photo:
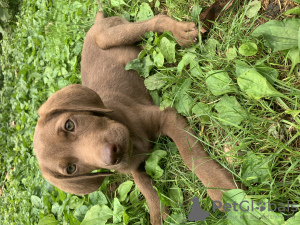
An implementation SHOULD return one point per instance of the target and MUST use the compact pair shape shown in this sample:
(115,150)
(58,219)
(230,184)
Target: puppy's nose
(111,154)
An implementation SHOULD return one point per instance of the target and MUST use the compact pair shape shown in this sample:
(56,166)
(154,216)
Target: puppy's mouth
(100,172)
(117,161)
(123,147)
(122,160)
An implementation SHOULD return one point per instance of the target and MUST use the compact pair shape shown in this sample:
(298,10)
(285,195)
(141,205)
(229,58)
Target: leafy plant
(282,36)
(4,16)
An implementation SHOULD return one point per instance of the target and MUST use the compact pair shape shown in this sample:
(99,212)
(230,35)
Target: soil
(273,8)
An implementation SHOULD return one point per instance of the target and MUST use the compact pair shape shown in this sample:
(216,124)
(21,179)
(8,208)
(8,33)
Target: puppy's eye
(69,125)
(71,169)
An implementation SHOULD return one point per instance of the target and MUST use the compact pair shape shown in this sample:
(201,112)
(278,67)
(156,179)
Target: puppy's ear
(80,185)
(74,97)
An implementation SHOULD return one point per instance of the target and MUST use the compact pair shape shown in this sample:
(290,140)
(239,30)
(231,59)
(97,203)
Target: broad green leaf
(248,49)
(195,70)
(298,1)
(152,167)
(73,220)
(256,86)
(158,59)
(268,72)
(294,56)
(76,5)
(80,212)
(117,3)
(48,220)
(98,197)
(125,15)
(118,211)
(62,195)
(46,202)
(203,110)
(167,48)
(36,202)
(211,45)
(147,66)
(144,52)
(241,67)
(295,220)
(97,215)
(154,82)
(4,4)
(157,4)
(196,11)
(190,59)
(176,196)
(56,209)
(210,48)
(230,110)
(157,38)
(62,82)
(176,218)
(156,97)
(143,66)
(279,35)
(123,190)
(134,196)
(145,12)
(186,60)
(256,168)
(47,186)
(75,202)
(241,210)
(219,83)
(136,64)
(4,16)
(183,102)
(165,104)
(295,11)
(253,9)
(231,53)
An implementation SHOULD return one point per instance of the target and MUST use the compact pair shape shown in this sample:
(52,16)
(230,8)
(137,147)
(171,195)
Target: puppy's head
(74,136)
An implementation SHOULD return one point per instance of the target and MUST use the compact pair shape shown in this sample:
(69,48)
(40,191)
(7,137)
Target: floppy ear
(74,97)
(79,185)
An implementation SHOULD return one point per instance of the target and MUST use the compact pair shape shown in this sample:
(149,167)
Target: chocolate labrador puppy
(110,120)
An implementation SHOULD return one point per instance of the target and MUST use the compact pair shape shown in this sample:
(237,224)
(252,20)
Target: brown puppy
(109,120)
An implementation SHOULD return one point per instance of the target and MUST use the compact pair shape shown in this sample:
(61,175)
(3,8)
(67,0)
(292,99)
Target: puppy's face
(73,139)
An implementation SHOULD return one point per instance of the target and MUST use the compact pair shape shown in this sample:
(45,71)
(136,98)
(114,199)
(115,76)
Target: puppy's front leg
(115,31)
(211,173)
(145,185)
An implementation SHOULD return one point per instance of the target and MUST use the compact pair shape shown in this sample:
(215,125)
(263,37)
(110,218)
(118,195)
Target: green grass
(42,54)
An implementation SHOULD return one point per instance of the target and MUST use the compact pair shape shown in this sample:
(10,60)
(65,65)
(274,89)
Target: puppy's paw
(186,33)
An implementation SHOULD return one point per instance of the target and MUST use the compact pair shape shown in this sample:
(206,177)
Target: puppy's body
(103,70)
(78,132)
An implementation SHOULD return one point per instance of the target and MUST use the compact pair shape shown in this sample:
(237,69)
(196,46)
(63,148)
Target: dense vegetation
(239,87)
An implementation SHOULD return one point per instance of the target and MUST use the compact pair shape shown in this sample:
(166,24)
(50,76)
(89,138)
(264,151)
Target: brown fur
(115,118)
